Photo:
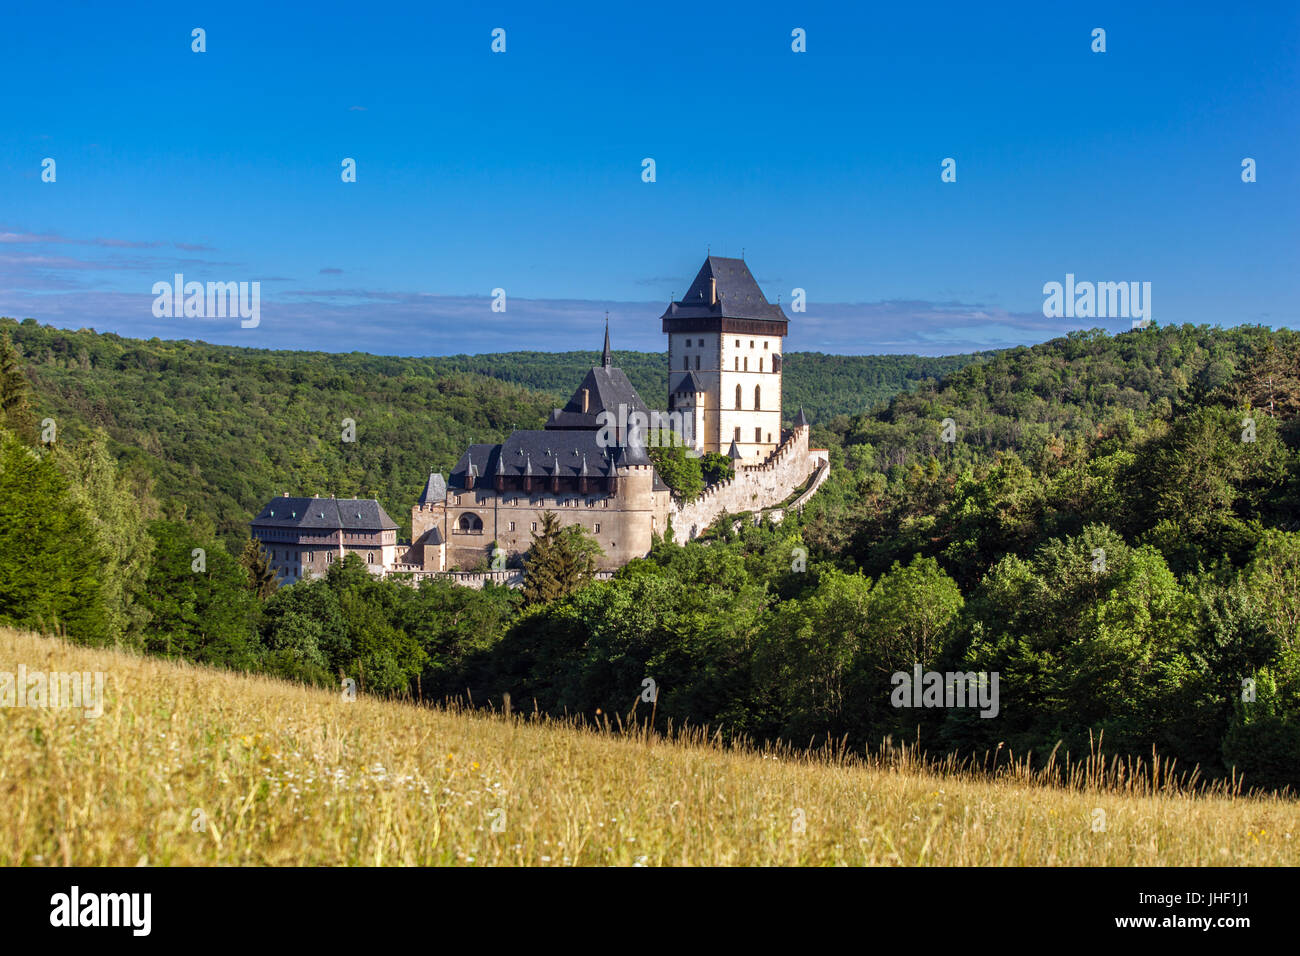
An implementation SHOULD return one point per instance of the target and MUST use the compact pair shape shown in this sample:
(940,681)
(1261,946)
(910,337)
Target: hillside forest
(1110,523)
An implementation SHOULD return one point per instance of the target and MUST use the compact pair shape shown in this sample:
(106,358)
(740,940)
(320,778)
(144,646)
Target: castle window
(757,398)
(737,364)
(751,343)
(597,527)
(534,525)
(746,363)
(758,435)
(470,523)
(769,438)
(737,343)
(738,433)
(737,397)
(760,365)
(697,363)
(686,363)
(370,558)
(512,526)
(765,344)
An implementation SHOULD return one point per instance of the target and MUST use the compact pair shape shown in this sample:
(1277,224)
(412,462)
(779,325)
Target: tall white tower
(724,357)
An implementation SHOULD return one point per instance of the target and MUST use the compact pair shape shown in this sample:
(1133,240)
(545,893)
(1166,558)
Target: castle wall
(622,524)
(754,487)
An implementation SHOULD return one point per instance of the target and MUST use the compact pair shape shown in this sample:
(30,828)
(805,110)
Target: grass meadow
(190,766)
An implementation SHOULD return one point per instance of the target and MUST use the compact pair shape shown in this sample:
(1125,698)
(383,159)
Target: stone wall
(753,487)
(511,577)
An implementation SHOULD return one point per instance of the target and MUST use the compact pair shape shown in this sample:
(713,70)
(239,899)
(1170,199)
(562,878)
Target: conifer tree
(559,562)
(15,395)
(261,579)
(118,508)
(50,559)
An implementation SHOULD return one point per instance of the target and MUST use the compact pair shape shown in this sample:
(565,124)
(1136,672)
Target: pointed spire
(435,490)
(802,420)
(734,451)
(607,359)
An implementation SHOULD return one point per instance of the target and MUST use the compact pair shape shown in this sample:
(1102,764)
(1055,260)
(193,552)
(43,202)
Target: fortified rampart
(752,488)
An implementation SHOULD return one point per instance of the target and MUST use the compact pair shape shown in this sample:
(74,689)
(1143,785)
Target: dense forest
(220,430)
(1109,523)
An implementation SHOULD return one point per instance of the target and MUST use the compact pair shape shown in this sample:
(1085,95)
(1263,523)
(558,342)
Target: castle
(589,464)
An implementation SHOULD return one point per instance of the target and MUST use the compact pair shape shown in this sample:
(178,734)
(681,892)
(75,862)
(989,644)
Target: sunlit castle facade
(302,537)
(724,357)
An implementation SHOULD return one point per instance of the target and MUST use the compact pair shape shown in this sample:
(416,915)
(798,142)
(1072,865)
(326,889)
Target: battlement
(752,488)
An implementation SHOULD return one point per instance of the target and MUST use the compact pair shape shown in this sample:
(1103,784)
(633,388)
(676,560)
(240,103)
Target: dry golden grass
(281,775)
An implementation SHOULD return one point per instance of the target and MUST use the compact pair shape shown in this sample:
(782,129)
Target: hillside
(222,429)
(1113,530)
(190,766)
(1088,383)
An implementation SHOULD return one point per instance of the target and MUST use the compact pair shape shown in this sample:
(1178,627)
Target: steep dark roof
(802,420)
(689,384)
(435,490)
(546,453)
(325,514)
(733,452)
(607,388)
(738,295)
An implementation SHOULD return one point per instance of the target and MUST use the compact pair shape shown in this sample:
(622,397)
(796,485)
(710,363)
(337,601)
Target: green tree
(715,467)
(118,508)
(15,395)
(809,650)
(679,471)
(199,599)
(560,560)
(261,577)
(910,609)
(51,560)
(382,656)
(305,634)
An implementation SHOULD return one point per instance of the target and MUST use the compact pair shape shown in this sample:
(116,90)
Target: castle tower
(724,357)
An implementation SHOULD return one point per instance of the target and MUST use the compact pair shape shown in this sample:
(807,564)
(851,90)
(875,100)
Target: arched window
(758,403)
(470,522)
(737,396)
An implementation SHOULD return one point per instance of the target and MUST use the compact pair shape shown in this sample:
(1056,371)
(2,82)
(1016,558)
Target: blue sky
(522,170)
